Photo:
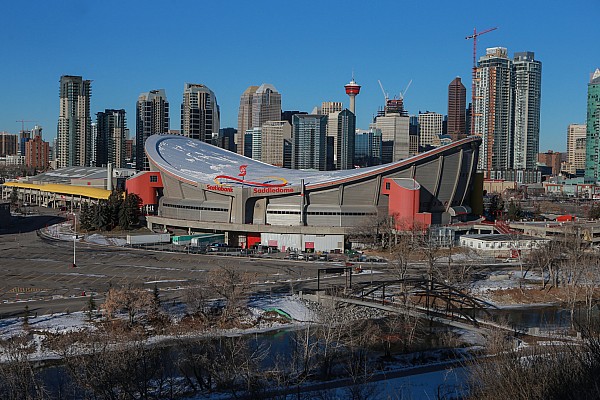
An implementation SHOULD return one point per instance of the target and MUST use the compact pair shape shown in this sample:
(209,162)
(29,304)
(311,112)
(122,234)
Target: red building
(148,185)
(404,203)
(37,153)
(551,159)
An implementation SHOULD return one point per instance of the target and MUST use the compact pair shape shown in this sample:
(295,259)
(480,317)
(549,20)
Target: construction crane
(385,94)
(402,94)
(474,36)
(22,121)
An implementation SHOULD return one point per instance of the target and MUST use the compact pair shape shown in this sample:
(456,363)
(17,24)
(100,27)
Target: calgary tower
(352,90)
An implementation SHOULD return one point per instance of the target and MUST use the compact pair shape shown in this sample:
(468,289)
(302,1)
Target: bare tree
(130,300)
(232,285)
(18,378)
(553,372)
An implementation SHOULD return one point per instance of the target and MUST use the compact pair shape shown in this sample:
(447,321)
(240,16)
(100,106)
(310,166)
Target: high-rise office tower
(430,126)
(394,129)
(592,159)
(226,139)
(328,107)
(413,138)
(199,113)
(332,135)
(256,145)
(110,142)
(245,117)
(258,105)
(527,89)
(309,143)
(367,147)
(576,137)
(344,139)
(74,122)
(492,112)
(457,97)
(274,133)
(332,109)
(152,117)
(287,115)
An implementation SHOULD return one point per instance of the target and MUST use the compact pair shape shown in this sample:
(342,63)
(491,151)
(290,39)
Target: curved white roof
(198,162)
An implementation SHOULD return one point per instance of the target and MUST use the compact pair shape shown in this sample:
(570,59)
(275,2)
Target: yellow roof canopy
(84,191)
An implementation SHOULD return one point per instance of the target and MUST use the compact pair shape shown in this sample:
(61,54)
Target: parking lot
(39,271)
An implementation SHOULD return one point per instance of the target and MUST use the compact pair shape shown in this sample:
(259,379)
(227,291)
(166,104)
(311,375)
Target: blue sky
(307,49)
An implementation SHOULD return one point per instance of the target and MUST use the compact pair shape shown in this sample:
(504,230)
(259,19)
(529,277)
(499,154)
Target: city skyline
(431,53)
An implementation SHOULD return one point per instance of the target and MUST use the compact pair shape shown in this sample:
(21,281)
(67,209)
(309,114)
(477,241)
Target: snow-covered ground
(55,323)
(64,231)
(103,240)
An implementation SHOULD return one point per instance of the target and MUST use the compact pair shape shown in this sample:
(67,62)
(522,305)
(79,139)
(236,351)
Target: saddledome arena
(205,190)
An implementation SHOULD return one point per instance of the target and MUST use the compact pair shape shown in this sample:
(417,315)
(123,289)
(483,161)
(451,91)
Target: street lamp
(74,237)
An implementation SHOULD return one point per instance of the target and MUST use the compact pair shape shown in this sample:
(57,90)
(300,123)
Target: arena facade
(209,189)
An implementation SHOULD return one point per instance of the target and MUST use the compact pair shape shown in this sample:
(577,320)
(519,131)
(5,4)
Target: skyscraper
(576,137)
(274,133)
(328,107)
(199,113)
(592,163)
(492,111)
(430,126)
(110,142)
(367,147)
(152,117)
(394,129)
(527,88)
(258,104)
(309,150)
(346,127)
(74,122)
(457,95)
(226,139)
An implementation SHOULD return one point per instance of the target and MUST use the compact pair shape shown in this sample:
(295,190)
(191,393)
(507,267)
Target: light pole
(74,237)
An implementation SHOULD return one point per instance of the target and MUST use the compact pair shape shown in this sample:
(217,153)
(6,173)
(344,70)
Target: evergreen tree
(103,216)
(115,202)
(94,216)
(85,217)
(129,214)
